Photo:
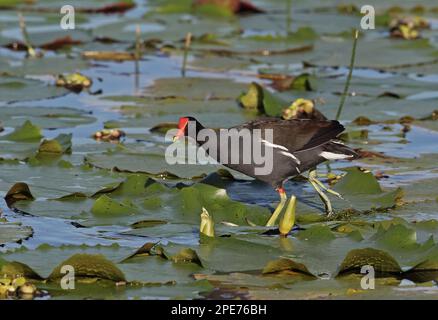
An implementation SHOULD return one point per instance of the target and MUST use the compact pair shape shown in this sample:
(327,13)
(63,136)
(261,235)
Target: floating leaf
(89,266)
(145,250)
(45,117)
(397,236)
(424,271)
(187,255)
(59,145)
(10,233)
(14,89)
(147,224)
(16,269)
(272,105)
(253,98)
(381,261)
(358,181)
(104,206)
(109,55)
(26,132)
(18,192)
(281,266)
(317,233)
(261,99)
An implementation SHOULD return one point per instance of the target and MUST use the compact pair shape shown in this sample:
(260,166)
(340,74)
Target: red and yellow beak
(182,124)
(178,135)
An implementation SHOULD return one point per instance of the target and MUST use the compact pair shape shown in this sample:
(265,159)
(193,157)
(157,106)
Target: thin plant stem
(138,45)
(30,50)
(186,53)
(138,55)
(350,72)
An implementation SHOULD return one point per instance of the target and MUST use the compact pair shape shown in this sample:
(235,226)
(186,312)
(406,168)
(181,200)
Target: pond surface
(97,202)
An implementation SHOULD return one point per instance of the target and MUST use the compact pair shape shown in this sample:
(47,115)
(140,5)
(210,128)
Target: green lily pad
(59,145)
(105,206)
(44,117)
(14,269)
(260,99)
(424,271)
(381,261)
(20,89)
(285,265)
(13,233)
(195,88)
(397,236)
(317,233)
(357,181)
(27,132)
(187,255)
(89,266)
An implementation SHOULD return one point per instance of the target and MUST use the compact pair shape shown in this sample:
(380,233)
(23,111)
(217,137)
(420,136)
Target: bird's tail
(335,150)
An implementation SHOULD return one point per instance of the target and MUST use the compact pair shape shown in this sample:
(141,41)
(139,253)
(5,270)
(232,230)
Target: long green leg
(272,220)
(288,220)
(322,195)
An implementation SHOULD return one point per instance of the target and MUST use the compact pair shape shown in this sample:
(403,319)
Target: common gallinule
(296,146)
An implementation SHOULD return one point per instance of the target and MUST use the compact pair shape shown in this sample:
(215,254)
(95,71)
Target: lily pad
(20,89)
(45,117)
(13,233)
(89,266)
(59,145)
(27,132)
(286,265)
(381,261)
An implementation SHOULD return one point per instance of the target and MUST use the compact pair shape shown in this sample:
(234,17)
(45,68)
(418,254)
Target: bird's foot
(336,194)
(327,203)
(330,213)
(327,189)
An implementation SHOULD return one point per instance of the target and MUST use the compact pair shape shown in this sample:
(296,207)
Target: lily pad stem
(30,50)
(186,52)
(350,72)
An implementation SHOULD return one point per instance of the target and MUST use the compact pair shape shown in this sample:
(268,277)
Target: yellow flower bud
(288,220)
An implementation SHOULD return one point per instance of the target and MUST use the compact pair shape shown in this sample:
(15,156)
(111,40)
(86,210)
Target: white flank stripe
(334,156)
(269,144)
(287,154)
(338,142)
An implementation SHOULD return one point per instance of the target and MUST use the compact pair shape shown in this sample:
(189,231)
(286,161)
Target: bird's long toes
(330,214)
(340,196)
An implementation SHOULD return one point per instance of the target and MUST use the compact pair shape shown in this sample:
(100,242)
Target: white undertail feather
(334,156)
(272,145)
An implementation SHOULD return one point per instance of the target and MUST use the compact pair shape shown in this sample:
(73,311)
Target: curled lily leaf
(297,107)
(302,109)
(207,224)
(75,81)
(109,135)
(408,28)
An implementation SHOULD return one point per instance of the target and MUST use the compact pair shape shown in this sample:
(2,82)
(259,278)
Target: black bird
(296,146)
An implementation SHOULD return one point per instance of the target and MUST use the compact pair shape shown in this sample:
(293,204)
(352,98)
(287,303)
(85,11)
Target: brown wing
(297,135)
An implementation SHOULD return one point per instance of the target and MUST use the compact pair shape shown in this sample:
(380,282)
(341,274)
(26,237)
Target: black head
(184,124)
